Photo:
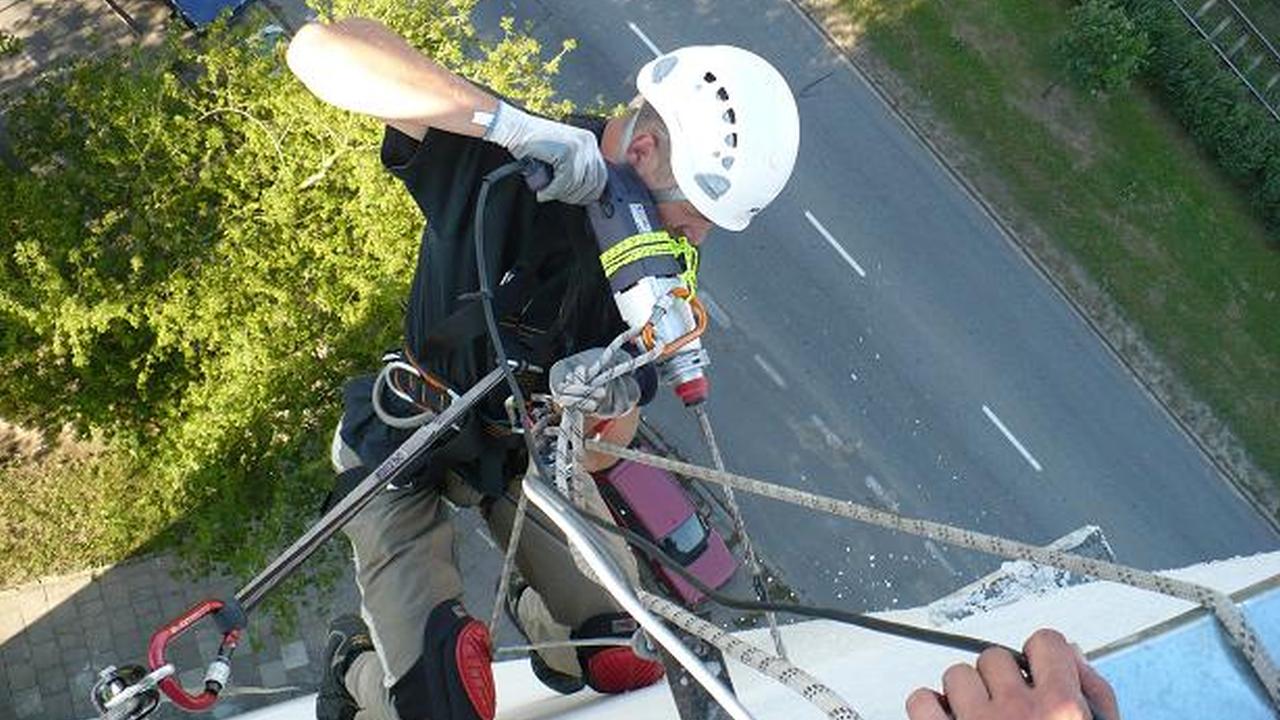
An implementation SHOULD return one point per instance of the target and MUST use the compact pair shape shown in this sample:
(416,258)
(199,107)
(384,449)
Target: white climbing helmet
(734,128)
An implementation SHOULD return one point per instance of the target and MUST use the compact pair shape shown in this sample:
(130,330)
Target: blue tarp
(202,12)
(1191,671)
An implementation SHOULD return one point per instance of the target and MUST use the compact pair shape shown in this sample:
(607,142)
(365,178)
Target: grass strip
(1113,182)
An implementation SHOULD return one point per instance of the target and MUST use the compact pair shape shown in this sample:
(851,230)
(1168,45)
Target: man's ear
(642,154)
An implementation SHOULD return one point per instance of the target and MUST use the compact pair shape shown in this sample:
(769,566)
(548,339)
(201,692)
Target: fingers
(1061,683)
(565,188)
(1052,660)
(1096,689)
(578,169)
(594,175)
(1000,673)
(582,185)
(964,688)
(925,704)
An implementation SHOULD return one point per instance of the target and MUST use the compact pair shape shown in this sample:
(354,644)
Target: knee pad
(614,669)
(453,680)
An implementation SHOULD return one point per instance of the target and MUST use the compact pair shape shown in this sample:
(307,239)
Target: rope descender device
(128,692)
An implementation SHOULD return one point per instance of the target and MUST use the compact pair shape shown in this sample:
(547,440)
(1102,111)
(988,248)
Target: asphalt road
(925,366)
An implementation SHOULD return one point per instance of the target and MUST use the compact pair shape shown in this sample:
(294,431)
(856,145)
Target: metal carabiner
(700,320)
(231,621)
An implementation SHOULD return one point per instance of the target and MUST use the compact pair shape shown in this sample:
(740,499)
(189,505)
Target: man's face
(683,219)
(680,219)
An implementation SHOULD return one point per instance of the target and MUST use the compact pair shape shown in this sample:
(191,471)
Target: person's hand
(1063,687)
(578,169)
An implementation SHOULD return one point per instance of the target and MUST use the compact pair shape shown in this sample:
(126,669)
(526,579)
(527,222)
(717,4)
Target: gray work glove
(569,387)
(578,170)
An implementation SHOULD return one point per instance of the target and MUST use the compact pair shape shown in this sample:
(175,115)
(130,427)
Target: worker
(1063,687)
(714,135)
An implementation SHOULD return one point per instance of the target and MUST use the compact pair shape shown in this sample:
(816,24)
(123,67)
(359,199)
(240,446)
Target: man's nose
(695,234)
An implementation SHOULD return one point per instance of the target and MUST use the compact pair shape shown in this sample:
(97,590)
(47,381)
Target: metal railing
(1239,43)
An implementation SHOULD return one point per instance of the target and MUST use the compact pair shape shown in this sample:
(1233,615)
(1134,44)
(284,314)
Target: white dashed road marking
(886,498)
(768,370)
(936,553)
(487,540)
(716,312)
(834,244)
(833,440)
(1026,454)
(644,39)
(881,494)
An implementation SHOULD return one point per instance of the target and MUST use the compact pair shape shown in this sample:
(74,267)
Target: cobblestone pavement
(54,31)
(56,633)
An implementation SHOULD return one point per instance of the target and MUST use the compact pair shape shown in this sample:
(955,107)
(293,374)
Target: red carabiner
(160,640)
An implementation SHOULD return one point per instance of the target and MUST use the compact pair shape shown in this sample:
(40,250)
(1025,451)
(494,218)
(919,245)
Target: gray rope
(772,666)
(583,642)
(740,527)
(1233,621)
(579,387)
(508,562)
(381,382)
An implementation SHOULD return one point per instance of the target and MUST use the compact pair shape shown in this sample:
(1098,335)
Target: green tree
(196,255)
(10,44)
(1103,48)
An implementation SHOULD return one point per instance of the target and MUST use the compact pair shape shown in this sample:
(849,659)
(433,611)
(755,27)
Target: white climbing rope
(1233,621)
(740,527)
(771,666)
(613,580)
(579,394)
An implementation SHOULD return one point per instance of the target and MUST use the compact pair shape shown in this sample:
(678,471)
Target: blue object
(1189,670)
(199,13)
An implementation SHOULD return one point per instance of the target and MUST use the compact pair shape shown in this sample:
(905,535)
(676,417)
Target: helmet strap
(628,133)
(669,194)
(662,195)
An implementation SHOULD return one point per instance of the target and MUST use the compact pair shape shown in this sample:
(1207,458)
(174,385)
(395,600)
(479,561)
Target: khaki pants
(404,555)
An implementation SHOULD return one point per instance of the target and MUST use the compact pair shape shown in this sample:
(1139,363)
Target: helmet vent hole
(709,77)
(713,185)
(723,94)
(663,67)
(729,117)
(731,139)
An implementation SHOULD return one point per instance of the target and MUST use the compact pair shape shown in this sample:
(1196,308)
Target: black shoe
(554,679)
(348,637)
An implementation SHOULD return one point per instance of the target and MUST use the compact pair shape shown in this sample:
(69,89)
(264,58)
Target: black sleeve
(441,172)
(443,164)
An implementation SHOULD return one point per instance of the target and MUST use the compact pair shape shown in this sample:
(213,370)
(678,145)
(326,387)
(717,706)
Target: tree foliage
(1103,49)
(195,257)
(10,44)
